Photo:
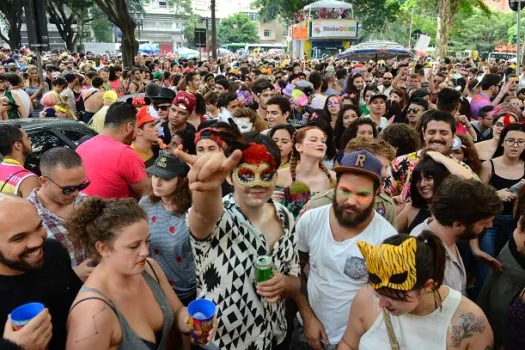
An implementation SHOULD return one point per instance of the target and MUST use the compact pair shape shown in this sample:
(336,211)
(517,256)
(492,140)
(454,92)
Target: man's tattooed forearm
(467,326)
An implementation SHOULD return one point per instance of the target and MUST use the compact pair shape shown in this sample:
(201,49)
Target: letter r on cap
(360,161)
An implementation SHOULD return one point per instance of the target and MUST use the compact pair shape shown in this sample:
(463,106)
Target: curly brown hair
(181,197)
(97,219)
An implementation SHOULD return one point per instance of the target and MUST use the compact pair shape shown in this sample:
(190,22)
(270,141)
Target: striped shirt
(12,174)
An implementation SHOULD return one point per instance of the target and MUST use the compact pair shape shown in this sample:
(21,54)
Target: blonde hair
(65,109)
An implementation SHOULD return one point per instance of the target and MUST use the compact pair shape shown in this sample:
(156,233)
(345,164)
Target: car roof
(47,123)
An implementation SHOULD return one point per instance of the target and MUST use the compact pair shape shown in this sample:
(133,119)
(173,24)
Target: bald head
(17,214)
(22,236)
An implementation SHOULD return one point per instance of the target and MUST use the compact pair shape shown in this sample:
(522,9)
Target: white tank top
(414,332)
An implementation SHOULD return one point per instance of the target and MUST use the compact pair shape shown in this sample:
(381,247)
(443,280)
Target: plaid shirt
(54,225)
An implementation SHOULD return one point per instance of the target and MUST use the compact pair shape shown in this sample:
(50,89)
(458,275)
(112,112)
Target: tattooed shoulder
(466,326)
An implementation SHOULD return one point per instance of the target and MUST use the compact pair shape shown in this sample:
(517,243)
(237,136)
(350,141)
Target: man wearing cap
(490,87)
(97,122)
(161,102)
(147,135)
(377,108)
(182,107)
(383,204)
(328,243)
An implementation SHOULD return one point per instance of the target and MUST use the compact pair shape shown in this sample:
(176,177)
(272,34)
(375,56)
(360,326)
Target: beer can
(263,268)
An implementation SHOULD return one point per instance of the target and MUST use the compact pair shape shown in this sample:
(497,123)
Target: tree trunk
(15,37)
(129,47)
(443,28)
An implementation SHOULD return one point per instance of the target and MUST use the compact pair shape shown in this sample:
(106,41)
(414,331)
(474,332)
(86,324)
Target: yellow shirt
(146,156)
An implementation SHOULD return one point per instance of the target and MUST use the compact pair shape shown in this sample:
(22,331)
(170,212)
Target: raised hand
(208,171)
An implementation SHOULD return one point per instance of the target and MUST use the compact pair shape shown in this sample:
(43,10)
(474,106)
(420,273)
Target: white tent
(330,4)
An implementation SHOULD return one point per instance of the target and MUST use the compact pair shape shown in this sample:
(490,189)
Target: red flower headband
(210,133)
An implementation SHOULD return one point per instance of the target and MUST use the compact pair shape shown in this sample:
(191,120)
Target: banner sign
(337,28)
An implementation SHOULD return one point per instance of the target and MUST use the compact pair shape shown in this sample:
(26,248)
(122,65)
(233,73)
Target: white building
(159,24)
(223,8)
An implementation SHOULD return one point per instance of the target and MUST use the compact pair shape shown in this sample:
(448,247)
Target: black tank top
(500,183)
(421,216)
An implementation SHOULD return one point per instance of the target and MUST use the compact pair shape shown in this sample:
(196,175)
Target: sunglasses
(67,190)
(413,110)
(162,108)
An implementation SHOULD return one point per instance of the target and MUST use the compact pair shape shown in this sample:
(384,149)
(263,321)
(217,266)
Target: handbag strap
(390,330)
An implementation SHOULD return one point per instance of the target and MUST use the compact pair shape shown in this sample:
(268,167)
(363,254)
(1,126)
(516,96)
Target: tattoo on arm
(467,326)
(95,331)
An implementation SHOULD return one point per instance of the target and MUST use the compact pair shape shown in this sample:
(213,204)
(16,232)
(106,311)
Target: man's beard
(387,84)
(351,220)
(27,151)
(20,265)
(469,233)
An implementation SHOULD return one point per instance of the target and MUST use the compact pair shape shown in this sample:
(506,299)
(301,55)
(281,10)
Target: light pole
(213,32)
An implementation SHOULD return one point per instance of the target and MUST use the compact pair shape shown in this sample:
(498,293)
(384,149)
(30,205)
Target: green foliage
(238,28)
(191,23)
(102,28)
(285,9)
(70,18)
(375,15)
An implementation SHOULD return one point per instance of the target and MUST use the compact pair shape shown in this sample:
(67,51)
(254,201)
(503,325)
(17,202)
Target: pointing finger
(185,157)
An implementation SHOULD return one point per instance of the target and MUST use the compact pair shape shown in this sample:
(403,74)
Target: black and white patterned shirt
(225,275)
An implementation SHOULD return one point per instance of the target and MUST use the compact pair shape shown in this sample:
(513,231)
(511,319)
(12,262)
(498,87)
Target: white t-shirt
(337,269)
(318,101)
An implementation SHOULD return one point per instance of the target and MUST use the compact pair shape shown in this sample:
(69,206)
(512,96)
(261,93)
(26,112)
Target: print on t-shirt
(355,268)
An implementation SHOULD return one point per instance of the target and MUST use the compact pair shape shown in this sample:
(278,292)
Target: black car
(48,133)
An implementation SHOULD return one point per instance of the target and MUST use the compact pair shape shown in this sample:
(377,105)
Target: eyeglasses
(413,110)
(162,108)
(512,142)
(67,190)
(499,125)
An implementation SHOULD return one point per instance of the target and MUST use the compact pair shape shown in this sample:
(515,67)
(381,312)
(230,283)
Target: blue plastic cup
(202,313)
(25,313)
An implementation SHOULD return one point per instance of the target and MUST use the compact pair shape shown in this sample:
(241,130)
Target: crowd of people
(388,196)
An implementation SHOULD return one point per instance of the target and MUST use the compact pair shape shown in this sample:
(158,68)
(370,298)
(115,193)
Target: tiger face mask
(391,266)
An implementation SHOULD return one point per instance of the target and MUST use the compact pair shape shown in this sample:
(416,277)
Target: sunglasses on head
(67,190)
(162,108)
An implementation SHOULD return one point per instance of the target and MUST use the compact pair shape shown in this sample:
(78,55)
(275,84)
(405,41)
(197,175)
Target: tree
(65,14)
(374,15)
(446,11)
(11,15)
(118,13)
(238,28)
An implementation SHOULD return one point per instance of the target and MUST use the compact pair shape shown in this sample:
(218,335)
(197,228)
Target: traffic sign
(200,37)
(513,4)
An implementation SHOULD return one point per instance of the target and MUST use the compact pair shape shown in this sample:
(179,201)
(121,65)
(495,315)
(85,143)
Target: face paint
(347,194)
(391,266)
(243,125)
(257,167)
